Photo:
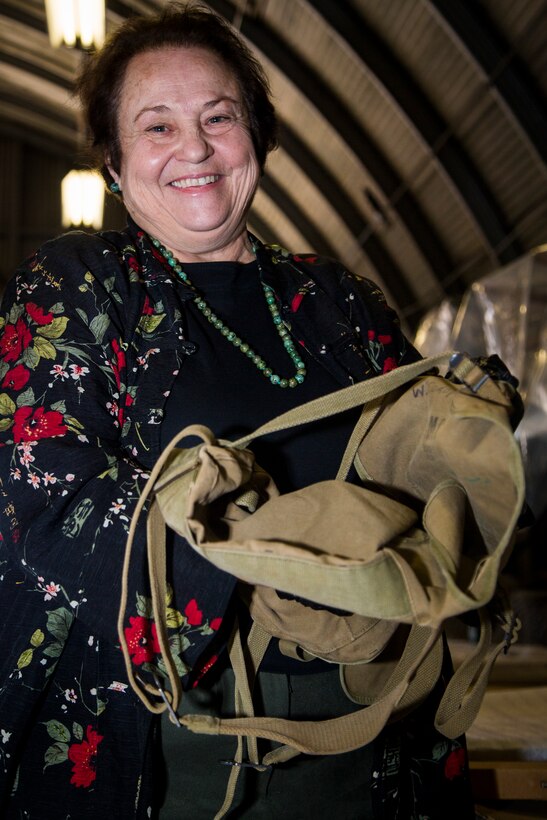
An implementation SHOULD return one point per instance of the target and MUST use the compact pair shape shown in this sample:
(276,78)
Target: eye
(158,129)
(219,123)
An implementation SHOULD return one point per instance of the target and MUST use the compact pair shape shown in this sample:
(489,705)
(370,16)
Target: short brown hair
(178,25)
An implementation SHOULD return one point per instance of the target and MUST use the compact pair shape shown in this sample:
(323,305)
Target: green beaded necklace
(232,337)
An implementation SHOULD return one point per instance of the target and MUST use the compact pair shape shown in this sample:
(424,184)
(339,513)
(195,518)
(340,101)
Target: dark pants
(337,786)
(409,772)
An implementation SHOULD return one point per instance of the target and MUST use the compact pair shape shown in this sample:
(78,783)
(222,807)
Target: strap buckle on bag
(462,367)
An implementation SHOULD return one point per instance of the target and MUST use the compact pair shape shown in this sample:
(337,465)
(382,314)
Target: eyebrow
(162,109)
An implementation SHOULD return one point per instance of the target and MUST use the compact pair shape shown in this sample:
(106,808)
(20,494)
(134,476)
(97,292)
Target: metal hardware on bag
(510,633)
(456,360)
(259,767)
(172,713)
(163,695)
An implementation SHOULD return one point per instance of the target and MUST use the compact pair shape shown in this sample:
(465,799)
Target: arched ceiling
(413,132)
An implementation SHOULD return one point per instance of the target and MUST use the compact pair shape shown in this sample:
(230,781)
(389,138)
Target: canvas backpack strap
(155,697)
(336,735)
(347,397)
(245,666)
(465,690)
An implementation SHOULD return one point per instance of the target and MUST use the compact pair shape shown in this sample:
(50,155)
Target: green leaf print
(55,329)
(57,731)
(25,658)
(54,650)
(77,731)
(59,622)
(37,638)
(26,399)
(99,326)
(7,406)
(31,358)
(57,753)
(44,348)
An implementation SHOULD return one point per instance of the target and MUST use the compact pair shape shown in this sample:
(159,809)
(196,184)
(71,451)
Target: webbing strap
(245,674)
(336,735)
(465,690)
(347,397)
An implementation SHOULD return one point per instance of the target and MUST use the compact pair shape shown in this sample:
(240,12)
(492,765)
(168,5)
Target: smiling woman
(113,342)
(188,169)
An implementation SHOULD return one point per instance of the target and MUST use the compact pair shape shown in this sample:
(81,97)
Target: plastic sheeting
(506,313)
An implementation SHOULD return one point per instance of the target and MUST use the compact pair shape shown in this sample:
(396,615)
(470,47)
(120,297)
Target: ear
(115,176)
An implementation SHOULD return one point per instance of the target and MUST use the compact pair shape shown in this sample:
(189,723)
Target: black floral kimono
(92,338)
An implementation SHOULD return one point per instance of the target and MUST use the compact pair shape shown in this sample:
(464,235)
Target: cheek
(141,163)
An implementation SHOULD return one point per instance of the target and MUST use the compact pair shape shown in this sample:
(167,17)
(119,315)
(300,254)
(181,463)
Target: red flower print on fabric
(215,624)
(204,669)
(120,362)
(142,640)
(194,616)
(389,364)
(16,338)
(37,314)
(83,755)
(32,425)
(296,302)
(147,309)
(16,378)
(455,764)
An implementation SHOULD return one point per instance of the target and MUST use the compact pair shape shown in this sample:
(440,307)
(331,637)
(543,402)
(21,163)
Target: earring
(114,187)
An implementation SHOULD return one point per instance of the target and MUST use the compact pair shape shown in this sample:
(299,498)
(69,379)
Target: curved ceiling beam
(502,68)
(292,210)
(334,111)
(423,116)
(373,247)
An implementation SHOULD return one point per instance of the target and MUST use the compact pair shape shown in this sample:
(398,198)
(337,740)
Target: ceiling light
(76,22)
(82,194)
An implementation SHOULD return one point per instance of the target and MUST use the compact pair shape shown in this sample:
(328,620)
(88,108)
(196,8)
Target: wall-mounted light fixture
(82,194)
(76,22)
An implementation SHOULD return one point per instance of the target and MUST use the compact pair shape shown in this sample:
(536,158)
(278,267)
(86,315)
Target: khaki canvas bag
(423,538)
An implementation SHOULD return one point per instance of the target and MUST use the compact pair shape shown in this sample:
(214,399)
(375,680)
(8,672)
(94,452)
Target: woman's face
(188,167)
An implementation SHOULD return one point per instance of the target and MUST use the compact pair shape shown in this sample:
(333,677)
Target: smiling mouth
(195,182)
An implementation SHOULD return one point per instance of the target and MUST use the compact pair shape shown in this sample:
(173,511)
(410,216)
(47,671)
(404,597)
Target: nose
(193,145)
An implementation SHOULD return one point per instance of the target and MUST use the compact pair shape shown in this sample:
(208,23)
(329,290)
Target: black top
(224,390)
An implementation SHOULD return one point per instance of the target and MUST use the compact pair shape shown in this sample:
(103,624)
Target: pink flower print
(51,590)
(59,372)
(77,371)
(34,480)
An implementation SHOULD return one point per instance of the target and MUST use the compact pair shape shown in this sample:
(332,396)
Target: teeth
(192,183)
